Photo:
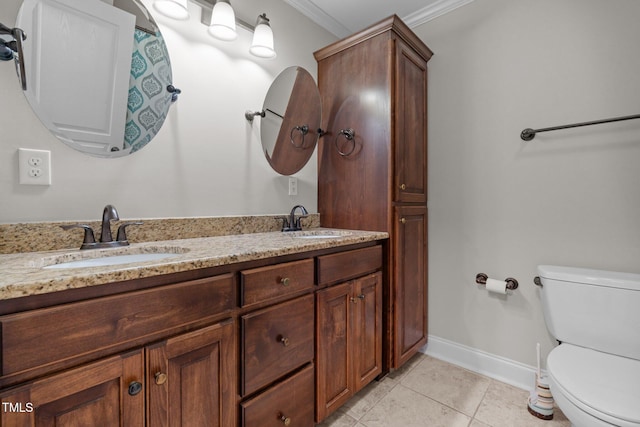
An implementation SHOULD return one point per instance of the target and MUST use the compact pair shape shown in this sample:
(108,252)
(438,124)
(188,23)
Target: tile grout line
(471,417)
(398,381)
(491,381)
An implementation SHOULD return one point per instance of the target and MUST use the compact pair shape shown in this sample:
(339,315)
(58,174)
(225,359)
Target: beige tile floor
(430,392)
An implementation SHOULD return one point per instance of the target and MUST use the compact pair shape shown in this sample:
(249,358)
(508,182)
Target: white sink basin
(111,260)
(320,234)
(109,257)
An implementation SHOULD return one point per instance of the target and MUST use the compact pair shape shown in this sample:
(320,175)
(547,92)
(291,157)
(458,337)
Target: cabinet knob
(160,378)
(403,220)
(283,340)
(355,300)
(285,420)
(403,186)
(285,281)
(135,387)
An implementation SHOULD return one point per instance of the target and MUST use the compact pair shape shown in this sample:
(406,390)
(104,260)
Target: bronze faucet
(292,223)
(108,214)
(106,239)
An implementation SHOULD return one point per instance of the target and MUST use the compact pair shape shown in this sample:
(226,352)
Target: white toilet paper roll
(497,286)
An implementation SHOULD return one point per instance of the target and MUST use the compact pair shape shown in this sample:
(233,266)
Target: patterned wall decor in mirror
(98,74)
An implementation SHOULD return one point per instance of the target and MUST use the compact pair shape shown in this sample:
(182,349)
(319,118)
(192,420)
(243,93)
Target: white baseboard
(490,365)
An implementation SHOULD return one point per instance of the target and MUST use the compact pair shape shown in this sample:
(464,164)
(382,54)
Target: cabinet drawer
(348,265)
(268,283)
(287,403)
(39,337)
(275,341)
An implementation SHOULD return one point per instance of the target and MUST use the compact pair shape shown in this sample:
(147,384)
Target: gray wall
(501,206)
(497,205)
(206,161)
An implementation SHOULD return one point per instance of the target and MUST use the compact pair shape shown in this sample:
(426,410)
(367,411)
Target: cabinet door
(411,126)
(409,282)
(288,403)
(275,341)
(92,395)
(334,336)
(191,379)
(367,323)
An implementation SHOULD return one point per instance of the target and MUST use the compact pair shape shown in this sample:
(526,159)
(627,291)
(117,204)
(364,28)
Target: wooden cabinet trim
(103,384)
(274,282)
(367,353)
(274,341)
(348,341)
(348,265)
(388,61)
(291,399)
(53,335)
(86,330)
(333,347)
(393,23)
(410,142)
(200,369)
(410,302)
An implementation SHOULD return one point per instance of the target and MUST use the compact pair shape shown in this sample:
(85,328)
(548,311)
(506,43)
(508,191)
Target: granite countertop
(23,274)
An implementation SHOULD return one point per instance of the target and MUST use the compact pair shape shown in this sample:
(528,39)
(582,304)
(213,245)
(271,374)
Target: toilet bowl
(594,374)
(594,388)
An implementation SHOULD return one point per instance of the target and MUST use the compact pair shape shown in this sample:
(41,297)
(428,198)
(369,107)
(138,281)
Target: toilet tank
(592,308)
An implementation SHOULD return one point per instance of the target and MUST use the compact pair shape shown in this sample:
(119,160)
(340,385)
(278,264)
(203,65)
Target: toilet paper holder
(512,283)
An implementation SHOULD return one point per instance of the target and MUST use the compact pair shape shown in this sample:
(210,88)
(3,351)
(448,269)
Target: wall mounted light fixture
(223,21)
(219,17)
(262,44)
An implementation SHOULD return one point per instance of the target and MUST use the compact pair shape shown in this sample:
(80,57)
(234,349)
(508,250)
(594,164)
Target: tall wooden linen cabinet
(372,164)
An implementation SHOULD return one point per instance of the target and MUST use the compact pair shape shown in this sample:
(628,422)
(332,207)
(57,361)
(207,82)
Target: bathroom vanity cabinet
(154,371)
(278,342)
(348,326)
(231,345)
(375,84)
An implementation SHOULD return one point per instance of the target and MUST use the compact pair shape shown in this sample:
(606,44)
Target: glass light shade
(223,22)
(176,9)
(262,45)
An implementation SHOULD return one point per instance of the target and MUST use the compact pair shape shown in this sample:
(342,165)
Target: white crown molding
(487,364)
(317,15)
(437,8)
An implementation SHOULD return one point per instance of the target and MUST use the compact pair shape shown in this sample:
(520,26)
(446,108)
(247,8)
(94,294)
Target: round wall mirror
(98,75)
(290,123)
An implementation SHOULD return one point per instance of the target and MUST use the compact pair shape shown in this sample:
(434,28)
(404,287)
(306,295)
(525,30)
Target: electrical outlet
(34,166)
(293,186)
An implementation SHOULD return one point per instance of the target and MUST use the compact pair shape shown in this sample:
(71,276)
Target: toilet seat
(603,385)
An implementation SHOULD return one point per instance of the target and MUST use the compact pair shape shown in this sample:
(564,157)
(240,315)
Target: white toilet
(594,374)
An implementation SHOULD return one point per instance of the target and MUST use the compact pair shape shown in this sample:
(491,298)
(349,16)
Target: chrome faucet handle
(89,238)
(122,234)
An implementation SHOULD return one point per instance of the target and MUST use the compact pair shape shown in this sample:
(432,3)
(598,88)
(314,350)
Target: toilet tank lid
(612,279)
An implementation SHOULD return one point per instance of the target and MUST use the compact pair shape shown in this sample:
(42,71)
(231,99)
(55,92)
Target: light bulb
(223,21)
(262,45)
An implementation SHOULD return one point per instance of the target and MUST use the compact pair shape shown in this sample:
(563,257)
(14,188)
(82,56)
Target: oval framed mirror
(291,117)
(97,74)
